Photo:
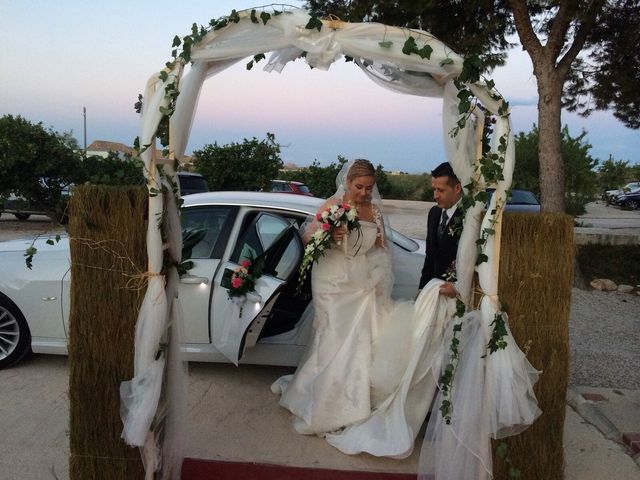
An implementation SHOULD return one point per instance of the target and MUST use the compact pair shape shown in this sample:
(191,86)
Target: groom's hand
(448,289)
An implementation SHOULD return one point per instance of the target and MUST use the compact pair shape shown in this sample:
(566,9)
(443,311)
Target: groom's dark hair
(445,170)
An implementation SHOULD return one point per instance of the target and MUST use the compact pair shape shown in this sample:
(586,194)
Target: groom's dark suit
(441,251)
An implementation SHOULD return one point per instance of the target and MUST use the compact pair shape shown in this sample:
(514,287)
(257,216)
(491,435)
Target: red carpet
(196,469)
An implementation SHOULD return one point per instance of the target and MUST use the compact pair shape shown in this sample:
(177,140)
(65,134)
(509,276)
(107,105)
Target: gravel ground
(604,333)
(604,327)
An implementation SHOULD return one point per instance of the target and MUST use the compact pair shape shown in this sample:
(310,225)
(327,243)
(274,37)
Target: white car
(34,304)
(610,195)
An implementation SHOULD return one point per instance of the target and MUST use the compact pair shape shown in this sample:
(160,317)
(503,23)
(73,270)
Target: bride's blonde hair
(361,168)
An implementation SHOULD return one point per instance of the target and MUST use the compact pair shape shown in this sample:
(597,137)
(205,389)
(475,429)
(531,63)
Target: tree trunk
(549,151)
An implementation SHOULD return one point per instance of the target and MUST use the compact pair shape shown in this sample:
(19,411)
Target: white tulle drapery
(149,397)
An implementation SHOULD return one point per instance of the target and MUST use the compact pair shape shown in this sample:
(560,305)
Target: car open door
(236,324)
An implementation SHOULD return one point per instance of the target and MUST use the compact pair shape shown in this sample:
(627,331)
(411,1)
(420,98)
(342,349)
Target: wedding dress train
(370,375)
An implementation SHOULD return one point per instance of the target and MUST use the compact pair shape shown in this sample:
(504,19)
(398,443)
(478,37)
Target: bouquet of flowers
(334,216)
(243,278)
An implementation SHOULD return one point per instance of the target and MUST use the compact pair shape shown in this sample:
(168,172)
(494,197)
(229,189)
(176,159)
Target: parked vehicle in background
(237,226)
(520,201)
(192,183)
(610,195)
(287,186)
(22,208)
(630,200)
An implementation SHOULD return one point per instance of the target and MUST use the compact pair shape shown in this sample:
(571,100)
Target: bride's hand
(338,234)
(448,289)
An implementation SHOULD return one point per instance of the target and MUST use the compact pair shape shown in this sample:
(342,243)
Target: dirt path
(11,228)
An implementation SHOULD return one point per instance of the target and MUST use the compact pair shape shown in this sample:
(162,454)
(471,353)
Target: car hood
(40,242)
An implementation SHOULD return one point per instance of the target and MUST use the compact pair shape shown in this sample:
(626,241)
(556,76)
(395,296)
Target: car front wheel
(15,339)
(633,204)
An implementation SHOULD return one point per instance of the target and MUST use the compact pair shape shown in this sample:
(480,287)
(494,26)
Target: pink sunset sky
(59,57)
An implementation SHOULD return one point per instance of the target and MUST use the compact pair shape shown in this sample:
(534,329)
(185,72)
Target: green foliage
(112,170)
(614,174)
(250,165)
(581,182)
(382,182)
(320,180)
(37,163)
(620,263)
(607,76)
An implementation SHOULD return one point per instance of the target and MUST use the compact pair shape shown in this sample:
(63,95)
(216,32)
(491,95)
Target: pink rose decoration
(318,216)
(326,226)
(346,207)
(236,282)
(245,263)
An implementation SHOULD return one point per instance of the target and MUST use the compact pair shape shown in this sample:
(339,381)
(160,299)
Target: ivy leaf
(501,450)
(490,84)
(164,76)
(49,242)
(409,46)
(425,52)
(314,22)
(347,58)
(254,18)
(29,253)
(446,61)
(176,41)
(264,16)
(250,65)
(482,196)
(386,44)
(234,16)
(482,258)
(258,57)
(221,24)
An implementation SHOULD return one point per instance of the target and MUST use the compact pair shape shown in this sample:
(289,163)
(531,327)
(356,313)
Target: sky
(58,57)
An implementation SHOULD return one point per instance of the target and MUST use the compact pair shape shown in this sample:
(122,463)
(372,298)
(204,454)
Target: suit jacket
(441,252)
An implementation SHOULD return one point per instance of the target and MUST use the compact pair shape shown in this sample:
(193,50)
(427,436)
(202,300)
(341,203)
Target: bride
(350,285)
(371,370)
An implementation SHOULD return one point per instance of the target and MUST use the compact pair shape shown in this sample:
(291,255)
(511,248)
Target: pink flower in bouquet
(319,216)
(326,227)
(346,207)
(245,263)
(236,282)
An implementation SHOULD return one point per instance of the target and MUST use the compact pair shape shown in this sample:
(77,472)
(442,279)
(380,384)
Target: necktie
(443,224)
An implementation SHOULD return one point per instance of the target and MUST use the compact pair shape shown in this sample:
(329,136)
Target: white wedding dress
(370,373)
(357,361)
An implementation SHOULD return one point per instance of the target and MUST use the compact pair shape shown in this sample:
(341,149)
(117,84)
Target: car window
(258,236)
(289,260)
(304,188)
(192,184)
(213,220)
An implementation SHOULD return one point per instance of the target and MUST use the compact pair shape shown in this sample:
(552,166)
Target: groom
(443,229)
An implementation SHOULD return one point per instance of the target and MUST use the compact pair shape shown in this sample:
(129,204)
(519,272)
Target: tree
(613,174)
(581,182)
(250,165)
(112,170)
(320,180)
(382,182)
(38,164)
(604,33)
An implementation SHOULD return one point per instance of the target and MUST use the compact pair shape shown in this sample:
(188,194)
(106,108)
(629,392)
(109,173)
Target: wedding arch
(400,59)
